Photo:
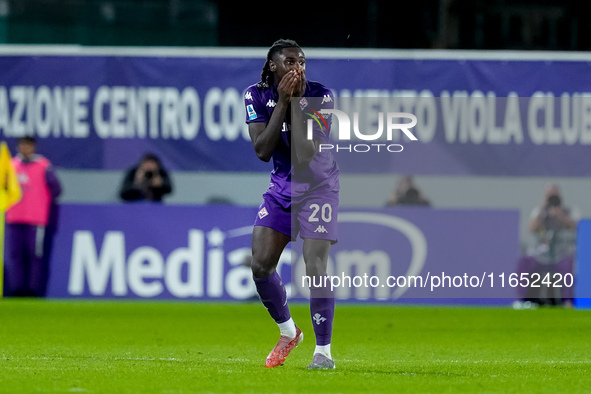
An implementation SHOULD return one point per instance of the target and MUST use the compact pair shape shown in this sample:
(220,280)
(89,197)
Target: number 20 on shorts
(325,213)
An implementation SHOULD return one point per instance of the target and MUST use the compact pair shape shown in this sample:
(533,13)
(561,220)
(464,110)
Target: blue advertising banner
(203,252)
(583,288)
(492,113)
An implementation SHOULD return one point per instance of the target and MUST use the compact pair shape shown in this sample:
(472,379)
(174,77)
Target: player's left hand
(300,83)
(287,86)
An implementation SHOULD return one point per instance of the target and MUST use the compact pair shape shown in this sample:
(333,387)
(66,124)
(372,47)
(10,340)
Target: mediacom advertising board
(202,253)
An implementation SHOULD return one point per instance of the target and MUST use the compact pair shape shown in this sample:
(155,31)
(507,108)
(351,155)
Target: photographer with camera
(147,181)
(553,251)
(407,193)
(551,215)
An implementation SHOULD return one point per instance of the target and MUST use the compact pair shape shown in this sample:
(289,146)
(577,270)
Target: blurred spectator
(407,193)
(147,181)
(28,223)
(553,226)
(219,200)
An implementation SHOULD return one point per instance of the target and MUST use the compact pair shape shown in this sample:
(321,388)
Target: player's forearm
(305,149)
(266,142)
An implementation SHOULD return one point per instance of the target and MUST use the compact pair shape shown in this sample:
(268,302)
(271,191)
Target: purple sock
(322,312)
(273,296)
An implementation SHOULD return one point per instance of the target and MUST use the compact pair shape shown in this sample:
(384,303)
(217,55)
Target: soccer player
(302,196)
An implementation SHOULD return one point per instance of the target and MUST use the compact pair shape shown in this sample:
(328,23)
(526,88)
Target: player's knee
(261,269)
(316,263)
(315,270)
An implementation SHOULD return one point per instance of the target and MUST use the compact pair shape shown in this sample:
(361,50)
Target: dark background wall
(444,24)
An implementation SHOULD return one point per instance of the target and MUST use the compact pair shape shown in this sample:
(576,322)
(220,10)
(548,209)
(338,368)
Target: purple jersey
(322,173)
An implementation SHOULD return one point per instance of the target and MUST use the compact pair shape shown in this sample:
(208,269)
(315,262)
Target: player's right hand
(287,85)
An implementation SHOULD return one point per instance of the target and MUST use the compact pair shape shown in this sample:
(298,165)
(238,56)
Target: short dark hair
(278,46)
(28,139)
(150,157)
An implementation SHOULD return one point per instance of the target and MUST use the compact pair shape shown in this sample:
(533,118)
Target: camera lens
(554,201)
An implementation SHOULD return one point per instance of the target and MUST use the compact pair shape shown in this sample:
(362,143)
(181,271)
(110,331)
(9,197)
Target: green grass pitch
(183,347)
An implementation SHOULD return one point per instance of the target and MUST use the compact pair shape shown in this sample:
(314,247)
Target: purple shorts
(313,216)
